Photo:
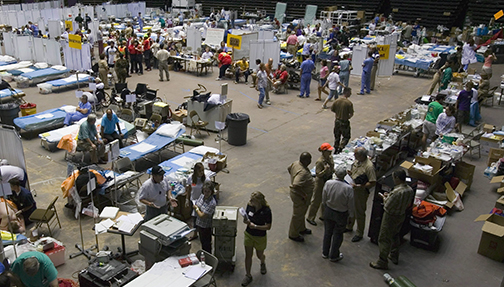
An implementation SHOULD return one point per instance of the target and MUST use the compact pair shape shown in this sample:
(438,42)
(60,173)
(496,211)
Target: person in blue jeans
(261,84)
(366,74)
(306,69)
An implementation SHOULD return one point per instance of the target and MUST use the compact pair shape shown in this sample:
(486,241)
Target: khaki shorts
(429,129)
(257,242)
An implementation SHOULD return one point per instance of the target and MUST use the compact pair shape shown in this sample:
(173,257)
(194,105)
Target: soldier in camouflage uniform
(121,68)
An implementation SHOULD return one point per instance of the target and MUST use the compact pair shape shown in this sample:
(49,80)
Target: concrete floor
(277,135)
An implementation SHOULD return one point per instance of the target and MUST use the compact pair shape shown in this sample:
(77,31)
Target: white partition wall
(24,48)
(10,48)
(54,28)
(358,56)
(264,49)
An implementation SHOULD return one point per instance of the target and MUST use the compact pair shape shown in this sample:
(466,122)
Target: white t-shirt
(332,80)
(207,55)
(372,27)
(110,54)
(474,98)
(468,54)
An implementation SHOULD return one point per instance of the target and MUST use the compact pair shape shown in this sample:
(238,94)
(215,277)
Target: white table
(167,273)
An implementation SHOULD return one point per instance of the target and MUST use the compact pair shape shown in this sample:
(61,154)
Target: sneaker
(306,231)
(300,96)
(235,82)
(218,79)
(324,256)
(263,268)
(356,238)
(324,107)
(259,106)
(337,258)
(247,280)
(246,83)
(160,80)
(268,102)
(312,222)
(360,94)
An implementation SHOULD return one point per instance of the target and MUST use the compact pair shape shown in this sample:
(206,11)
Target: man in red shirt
(139,56)
(224,63)
(133,55)
(147,51)
(292,43)
(281,77)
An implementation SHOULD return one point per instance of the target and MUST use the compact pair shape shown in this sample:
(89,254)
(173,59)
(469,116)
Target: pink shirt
(488,61)
(323,72)
(292,40)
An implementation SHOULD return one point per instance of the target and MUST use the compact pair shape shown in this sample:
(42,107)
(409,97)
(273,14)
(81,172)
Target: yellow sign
(384,51)
(74,41)
(234,41)
(498,15)
(69,25)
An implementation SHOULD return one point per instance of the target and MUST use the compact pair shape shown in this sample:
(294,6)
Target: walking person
(261,84)
(338,202)
(395,204)
(324,169)
(333,83)
(301,190)
(343,111)
(323,74)
(258,221)
(344,74)
(366,74)
(374,69)
(162,57)
(306,74)
(103,70)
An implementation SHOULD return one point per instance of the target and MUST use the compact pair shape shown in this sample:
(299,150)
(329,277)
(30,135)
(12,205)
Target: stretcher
(43,121)
(7,60)
(68,81)
(8,95)
(154,143)
(50,139)
(40,75)
(16,66)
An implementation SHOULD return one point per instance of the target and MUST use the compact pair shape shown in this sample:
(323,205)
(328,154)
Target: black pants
(222,71)
(205,235)
(112,137)
(147,58)
(152,212)
(334,226)
(133,68)
(246,73)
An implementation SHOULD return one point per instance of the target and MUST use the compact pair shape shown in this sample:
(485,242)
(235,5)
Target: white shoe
(218,79)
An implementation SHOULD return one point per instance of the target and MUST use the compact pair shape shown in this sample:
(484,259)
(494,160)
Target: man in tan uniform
(364,177)
(395,204)
(343,110)
(301,190)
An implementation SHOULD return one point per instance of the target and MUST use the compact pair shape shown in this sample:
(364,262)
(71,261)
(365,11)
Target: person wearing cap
(324,169)
(338,203)
(155,194)
(35,269)
(301,190)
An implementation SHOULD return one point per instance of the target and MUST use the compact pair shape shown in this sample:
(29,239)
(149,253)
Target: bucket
(28,109)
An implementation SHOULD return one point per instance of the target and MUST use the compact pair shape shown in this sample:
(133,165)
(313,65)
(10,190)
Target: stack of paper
(126,223)
(102,226)
(109,212)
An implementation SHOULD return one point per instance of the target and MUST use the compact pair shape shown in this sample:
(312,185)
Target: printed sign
(384,51)
(69,25)
(498,15)
(74,41)
(234,41)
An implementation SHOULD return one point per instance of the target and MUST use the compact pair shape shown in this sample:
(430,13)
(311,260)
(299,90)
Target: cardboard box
(494,155)
(373,134)
(450,192)
(433,178)
(500,203)
(465,172)
(221,162)
(498,179)
(361,14)
(492,238)
(387,124)
(57,255)
(488,143)
(488,128)
(179,115)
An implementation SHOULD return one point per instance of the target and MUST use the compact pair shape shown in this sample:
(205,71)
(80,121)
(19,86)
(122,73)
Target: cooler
(224,226)
(57,255)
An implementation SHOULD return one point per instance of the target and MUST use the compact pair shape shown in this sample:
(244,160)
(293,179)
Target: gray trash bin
(8,112)
(237,128)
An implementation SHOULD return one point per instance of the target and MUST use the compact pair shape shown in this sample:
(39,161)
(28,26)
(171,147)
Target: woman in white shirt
(333,80)
(207,54)
(468,54)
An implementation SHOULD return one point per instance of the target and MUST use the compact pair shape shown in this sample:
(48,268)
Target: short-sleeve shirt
(207,206)
(109,126)
(360,168)
(433,111)
(333,80)
(464,100)
(154,192)
(307,66)
(86,106)
(262,79)
(260,217)
(196,187)
(87,131)
(343,108)
(368,65)
(46,274)
(207,55)
(23,199)
(243,65)
(444,124)
(323,71)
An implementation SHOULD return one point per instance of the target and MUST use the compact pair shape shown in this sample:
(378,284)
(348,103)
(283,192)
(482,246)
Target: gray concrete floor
(277,135)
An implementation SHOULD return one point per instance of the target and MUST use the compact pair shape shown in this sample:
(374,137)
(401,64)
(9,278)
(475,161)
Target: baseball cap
(157,170)
(326,146)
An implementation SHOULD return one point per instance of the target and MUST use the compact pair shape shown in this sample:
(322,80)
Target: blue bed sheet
(7,93)
(34,122)
(19,72)
(44,73)
(284,55)
(7,63)
(154,139)
(419,63)
(169,165)
(63,82)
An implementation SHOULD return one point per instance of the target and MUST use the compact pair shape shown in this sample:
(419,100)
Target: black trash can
(237,128)
(8,112)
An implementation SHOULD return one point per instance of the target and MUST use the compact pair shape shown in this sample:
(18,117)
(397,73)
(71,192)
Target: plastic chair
(197,123)
(45,216)
(208,279)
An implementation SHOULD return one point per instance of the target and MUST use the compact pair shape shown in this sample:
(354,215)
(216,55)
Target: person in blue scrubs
(367,66)
(306,73)
(81,112)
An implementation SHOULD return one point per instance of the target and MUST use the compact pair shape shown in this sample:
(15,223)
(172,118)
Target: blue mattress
(64,82)
(169,165)
(34,122)
(442,49)
(419,63)
(284,55)
(154,139)
(18,72)
(44,73)
(7,93)
(7,63)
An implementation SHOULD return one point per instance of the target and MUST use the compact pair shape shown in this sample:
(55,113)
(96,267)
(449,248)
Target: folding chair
(45,216)
(208,279)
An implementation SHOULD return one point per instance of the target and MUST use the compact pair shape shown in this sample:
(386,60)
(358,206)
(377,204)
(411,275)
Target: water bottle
(202,259)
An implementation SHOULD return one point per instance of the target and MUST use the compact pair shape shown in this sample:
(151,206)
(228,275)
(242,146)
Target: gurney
(43,121)
(42,75)
(67,82)
(8,95)
(16,66)
(50,139)
(154,143)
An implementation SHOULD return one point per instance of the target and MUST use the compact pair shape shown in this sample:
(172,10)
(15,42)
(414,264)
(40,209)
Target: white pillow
(59,67)
(169,130)
(41,65)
